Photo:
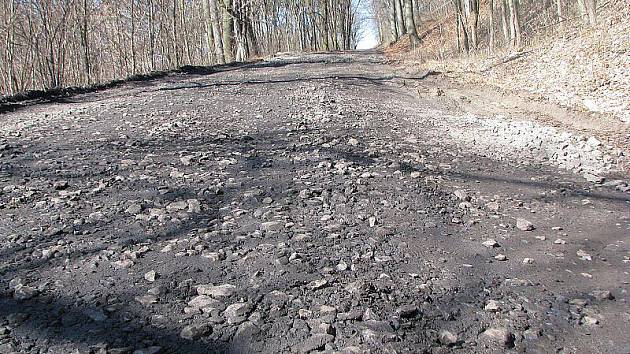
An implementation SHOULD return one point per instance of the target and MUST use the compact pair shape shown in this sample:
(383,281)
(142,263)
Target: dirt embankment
(576,79)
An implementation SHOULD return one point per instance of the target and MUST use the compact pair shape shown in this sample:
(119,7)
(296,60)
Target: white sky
(369,37)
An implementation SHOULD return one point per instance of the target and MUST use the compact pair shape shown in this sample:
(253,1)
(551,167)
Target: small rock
(585,256)
(271,226)
(602,295)
(60,185)
(316,342)
(197,331)
(594,178)
(177,206)
(236,313)
(490,243)
(204,301)
(462,195)
(589,321)
(447,338)
(23,292)
(146,300)
(593,142)
(217,291)
(528,260)
(500,257)
(353,142)
(408,311)
(318,284)
(150,276)
(524,225)
(500,336)
(148,350)
(492,306)
(493,206)
(194,206)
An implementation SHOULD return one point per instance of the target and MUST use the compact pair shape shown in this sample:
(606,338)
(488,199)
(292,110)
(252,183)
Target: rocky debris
(200,221)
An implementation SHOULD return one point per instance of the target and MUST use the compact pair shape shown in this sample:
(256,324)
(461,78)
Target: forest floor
(309,202)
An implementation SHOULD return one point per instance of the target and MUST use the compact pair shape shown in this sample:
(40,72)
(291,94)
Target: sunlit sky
(369,37)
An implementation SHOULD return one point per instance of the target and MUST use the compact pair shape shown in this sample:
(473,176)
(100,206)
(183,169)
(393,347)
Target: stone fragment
(150,276)
(500,257)
(196,331)
(462,195)
(602,295)
(408,311)
(148,350)
(589,321)
(194,206)
(204,301)
(236,313)
(316,342)
(271,226)
(146,300)
(490,243)
(524,225)
(23,292)
(318,284)
(216,291)
(500,336)
(492,306)
(585,256)
(447,338)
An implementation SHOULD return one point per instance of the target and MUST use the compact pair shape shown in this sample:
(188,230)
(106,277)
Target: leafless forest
(472,25)
(58,43)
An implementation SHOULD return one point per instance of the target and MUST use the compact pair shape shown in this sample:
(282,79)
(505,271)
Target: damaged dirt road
(305,203)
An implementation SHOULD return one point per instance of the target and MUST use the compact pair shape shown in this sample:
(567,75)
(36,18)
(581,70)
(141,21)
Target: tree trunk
(228,31)
(410,22)
(560,14)
(473,21)
(588,10)
(400,22)
(216,32)
(392,21)
(504,21)
(515,25)
(491,28)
